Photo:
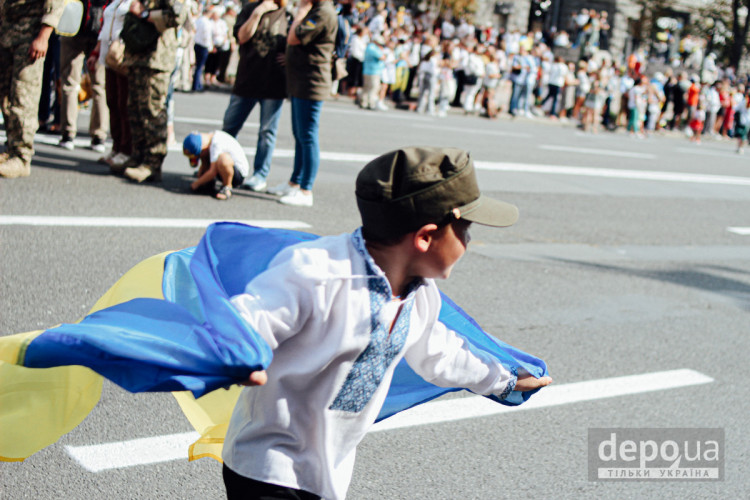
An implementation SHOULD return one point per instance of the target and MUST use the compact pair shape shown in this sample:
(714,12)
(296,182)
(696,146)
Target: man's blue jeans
(201,54)
(270,111)
(305,121)
(515,95)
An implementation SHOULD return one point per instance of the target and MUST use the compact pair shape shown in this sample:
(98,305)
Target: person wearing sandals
(221,157)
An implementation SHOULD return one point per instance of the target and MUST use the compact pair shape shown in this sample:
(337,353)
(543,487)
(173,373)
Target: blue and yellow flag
(167,325)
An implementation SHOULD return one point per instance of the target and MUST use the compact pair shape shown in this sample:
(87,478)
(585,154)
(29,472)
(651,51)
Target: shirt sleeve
(171,15)
(311,26)
(53,10)
(445,359)
(279,301)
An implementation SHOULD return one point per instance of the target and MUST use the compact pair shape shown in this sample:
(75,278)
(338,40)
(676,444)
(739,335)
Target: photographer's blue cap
(192,144)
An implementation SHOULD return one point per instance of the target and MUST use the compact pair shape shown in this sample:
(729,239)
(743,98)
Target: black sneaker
(66,142)
(97,145)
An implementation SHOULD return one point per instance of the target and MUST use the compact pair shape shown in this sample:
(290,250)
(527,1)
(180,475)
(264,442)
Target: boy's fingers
(545,381)
(258,378)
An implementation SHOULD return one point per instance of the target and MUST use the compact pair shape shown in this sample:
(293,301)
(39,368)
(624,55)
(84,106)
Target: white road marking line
(743,231)
(99,457)
(646,175)
(592,151)
(554,395)
(360,159)
(475,130)
(42,220)
(708,152)
(377,114)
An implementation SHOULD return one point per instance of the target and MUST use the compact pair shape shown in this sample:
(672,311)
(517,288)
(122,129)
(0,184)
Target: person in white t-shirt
(203,45)
(221,157)
(341,312)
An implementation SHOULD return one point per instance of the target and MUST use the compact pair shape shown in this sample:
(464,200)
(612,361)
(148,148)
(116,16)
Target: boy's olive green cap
(403,190)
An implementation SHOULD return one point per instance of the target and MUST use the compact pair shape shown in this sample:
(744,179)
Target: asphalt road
(623,263)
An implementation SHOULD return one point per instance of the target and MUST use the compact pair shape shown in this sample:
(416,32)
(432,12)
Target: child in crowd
(427,76)
(340,312)
(654,99)
(697,121)
(220,157)
(742,122)
(592,107)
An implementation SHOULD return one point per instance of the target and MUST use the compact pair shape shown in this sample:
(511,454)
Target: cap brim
(490,212)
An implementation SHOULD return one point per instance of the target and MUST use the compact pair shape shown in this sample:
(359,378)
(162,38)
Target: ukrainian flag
(167,325)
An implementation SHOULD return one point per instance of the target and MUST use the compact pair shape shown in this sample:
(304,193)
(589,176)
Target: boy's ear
(424,236)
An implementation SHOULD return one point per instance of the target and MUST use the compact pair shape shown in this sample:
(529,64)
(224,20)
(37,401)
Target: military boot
(119,168)
(13,167)
(143,173)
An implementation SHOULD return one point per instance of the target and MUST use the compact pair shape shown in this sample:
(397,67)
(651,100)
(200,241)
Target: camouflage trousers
(20,88)
(147,98)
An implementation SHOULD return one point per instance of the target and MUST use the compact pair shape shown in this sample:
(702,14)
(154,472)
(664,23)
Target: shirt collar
(373,269)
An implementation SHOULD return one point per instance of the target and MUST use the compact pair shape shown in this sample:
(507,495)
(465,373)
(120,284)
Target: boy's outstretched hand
(529,382)
(256,378)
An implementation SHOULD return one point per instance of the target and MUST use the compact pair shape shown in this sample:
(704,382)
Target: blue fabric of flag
(195,340)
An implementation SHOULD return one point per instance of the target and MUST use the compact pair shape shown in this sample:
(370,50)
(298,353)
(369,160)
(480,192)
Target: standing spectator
(693,96)
(308,63)
(261,31)
(654,99)
(203,45)
(372,70)
(626,83)
(604,28)
(636,101)
(341,47)
(725,102)
(427,75)
(473,77)
(557,73)
(25,29)
(116,84)
(357,47)
(446,80)
(388,74)
(148,81)
(414,59)
(592,107)
(582,88)
(736,98)
(221,46)
(73,53)
(184,81)
(227,74)
(697,120)
(519,69)
(678,97)
(581,21)
(742,122)
(713,105)
(461,56)
(51,87)
(490,82)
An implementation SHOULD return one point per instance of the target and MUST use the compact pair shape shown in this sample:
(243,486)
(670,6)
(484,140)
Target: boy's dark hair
(401,191)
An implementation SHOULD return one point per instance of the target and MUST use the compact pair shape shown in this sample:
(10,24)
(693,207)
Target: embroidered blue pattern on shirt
(370,367)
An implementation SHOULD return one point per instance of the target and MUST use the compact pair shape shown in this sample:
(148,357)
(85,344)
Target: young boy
(341,311)
(220,156)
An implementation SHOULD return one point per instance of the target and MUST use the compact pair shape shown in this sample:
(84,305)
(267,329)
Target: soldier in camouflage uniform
(148,82)
(25,28)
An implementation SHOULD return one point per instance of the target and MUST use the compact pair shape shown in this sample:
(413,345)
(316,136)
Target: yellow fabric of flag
(39,406)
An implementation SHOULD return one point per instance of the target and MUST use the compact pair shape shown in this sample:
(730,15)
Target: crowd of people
(379,55)
(486,71)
